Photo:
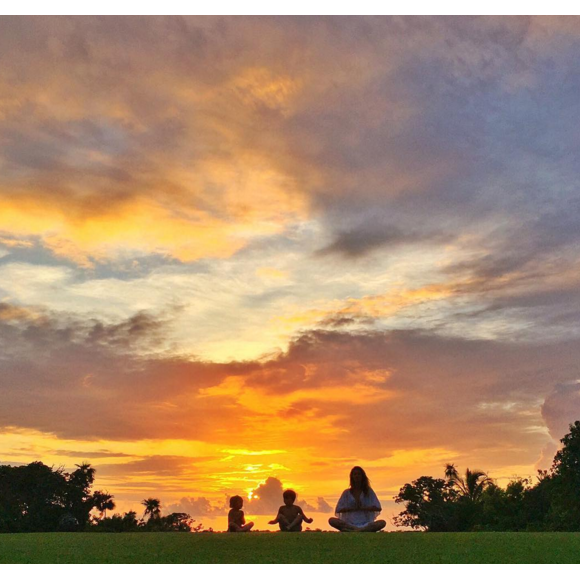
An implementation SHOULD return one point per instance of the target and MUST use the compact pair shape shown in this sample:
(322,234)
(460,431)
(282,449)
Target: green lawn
(283,548)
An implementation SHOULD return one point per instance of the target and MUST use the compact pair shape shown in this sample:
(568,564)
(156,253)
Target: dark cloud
(27,327)
(340,321)
(367,237)
(139,330)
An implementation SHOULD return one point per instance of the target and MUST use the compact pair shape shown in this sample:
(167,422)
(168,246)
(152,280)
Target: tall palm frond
(472,485)
(152,507)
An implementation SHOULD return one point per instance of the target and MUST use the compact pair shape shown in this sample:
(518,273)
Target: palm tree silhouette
(471,486)
(103,501)
(152,508)
(86,469)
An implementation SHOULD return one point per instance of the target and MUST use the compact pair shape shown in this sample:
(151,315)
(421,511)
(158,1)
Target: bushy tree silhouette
(39,498)
(475,502)
(428,505)
(79,501)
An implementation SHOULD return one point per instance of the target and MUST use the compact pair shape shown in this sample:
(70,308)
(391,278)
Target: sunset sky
(241,248)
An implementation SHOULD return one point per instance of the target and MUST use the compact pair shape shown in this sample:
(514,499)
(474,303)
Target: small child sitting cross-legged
(236,518)
(290,516)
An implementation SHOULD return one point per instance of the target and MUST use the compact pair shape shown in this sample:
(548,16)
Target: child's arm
(279,518)
(305,517)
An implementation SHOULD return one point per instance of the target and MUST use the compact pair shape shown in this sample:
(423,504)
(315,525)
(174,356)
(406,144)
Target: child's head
(289,497)
(236,502)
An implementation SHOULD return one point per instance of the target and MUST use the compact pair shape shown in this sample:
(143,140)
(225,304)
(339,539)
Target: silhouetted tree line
(38,498)
(474,502)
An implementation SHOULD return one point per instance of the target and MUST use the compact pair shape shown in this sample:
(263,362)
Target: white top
(358,518)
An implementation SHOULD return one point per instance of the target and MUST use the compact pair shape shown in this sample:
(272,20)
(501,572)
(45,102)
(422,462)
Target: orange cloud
(254,202)
(12,313)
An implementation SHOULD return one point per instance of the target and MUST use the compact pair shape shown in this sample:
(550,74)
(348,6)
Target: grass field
(289,548)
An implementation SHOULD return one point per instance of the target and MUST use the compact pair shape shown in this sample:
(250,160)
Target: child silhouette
(236,518)
(290,516)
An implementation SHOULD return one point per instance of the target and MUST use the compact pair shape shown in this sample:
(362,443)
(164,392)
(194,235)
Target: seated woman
(358,506)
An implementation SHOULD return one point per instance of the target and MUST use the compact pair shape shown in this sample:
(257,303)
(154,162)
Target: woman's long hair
(365,483)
